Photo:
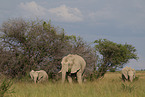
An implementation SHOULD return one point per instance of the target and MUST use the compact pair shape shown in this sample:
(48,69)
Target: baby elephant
(38,76)
(128,74)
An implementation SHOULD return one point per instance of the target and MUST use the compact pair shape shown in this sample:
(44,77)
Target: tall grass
(5,87)
(110,86)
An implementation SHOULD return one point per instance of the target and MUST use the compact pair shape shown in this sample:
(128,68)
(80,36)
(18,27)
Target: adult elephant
(71,64)
(128,74)
(38,76)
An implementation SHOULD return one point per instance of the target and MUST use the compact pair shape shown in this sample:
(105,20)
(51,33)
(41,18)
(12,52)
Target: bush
(5,87)
(36,45)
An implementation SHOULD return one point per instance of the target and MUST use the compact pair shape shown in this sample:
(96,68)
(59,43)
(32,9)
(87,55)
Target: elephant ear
(125,72)
(35,74)
(76,66)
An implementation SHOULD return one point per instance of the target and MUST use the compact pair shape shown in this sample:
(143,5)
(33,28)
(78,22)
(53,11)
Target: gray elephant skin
(38,76)
(128,74)
(72,64)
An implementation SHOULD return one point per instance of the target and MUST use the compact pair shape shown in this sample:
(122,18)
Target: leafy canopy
(113,54)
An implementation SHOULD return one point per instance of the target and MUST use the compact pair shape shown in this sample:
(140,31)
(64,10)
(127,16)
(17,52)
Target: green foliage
(113,55)
(5,87)
(142,69)
(112,70)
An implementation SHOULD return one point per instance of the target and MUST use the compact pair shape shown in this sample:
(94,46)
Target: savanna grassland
(110,86)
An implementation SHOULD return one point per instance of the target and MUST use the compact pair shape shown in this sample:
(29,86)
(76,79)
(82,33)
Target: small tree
(113,55)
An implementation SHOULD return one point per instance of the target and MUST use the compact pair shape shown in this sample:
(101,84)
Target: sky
(120,21)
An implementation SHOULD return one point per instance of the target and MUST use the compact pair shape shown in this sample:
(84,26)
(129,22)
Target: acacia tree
(113,55)
(37,44)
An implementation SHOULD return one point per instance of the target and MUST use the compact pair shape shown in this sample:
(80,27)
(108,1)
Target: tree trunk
(101,71)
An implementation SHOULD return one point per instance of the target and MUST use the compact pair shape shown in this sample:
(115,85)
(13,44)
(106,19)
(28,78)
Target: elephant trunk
(130,74)
(63,76)
(35,78)
(131,78)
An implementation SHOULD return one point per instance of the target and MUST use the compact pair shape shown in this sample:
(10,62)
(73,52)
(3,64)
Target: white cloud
(32,8)
(67,14)
(62,13)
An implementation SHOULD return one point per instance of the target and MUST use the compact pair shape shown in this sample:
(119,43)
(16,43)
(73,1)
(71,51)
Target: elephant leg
(69,79)
(40,77)
(40,80)
(123,78)
(35,79)
(79,77)
(63,76)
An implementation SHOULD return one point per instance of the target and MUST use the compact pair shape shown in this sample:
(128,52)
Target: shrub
(5,87)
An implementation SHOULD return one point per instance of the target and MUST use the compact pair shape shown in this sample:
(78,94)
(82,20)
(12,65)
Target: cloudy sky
(120,21)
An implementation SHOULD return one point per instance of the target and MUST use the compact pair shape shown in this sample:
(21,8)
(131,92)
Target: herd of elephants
(73,63)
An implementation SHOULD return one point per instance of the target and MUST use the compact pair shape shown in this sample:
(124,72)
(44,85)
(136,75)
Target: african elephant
(128,74)
(38,76)
(72,64)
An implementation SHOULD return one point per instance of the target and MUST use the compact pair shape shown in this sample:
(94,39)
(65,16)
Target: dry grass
(110,86)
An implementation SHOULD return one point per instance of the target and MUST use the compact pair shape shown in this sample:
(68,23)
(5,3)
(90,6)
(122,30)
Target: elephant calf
(38,76)
(128,74)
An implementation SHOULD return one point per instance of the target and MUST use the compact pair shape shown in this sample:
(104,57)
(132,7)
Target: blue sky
(120,21)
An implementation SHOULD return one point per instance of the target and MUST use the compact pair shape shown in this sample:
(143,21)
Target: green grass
(110,86)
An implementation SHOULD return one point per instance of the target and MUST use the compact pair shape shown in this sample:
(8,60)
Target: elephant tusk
(60,71)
